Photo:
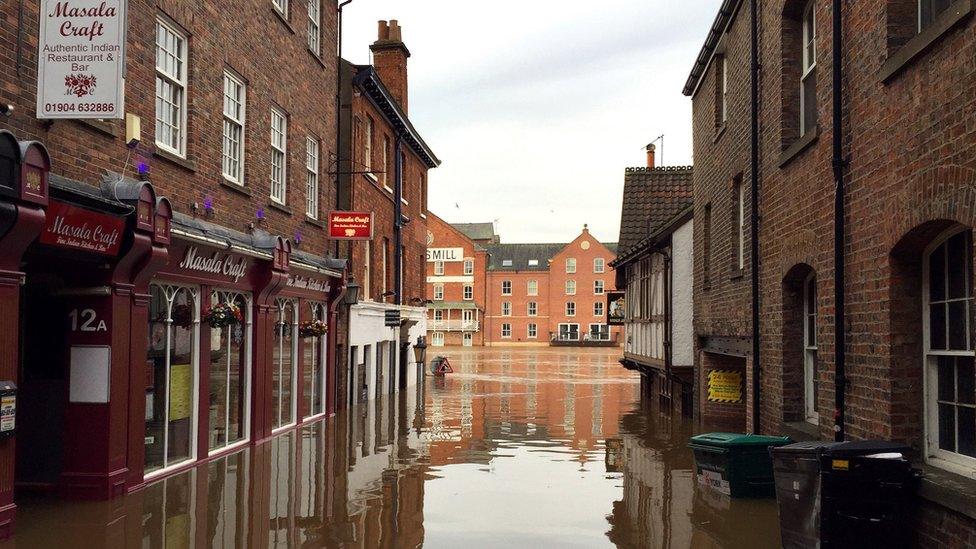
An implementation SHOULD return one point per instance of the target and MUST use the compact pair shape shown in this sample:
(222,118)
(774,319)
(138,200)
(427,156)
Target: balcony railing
(453,325)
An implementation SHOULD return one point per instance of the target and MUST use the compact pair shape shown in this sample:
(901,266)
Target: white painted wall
(366,328)
(682,319)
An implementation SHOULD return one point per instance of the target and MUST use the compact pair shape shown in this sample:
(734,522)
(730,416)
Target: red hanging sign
(351,225)
(80,229)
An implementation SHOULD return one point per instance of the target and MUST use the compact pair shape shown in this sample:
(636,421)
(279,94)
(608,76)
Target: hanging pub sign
(72,227)
(81,50)
(351,225)
(616,308)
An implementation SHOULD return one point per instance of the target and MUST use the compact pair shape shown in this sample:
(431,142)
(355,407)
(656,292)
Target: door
(467,319)
(467,339)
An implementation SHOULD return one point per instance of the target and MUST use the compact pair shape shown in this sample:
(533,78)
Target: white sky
(536,107)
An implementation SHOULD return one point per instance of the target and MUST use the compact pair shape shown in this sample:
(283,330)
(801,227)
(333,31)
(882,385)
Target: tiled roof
(520,254)
(652,197)
(477,231)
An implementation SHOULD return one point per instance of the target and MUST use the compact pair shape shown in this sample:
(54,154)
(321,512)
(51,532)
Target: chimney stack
(650,155)
(390,60)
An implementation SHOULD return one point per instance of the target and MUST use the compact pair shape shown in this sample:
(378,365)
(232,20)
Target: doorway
(467,339)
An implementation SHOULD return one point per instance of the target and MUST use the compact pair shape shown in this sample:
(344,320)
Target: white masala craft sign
(80,59)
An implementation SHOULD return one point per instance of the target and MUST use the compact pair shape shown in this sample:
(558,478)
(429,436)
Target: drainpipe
(840,379)
(338,111)
(398,222)
(668,344)
(754,206)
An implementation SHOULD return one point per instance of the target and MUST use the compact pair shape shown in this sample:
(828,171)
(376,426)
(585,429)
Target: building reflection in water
(518,447)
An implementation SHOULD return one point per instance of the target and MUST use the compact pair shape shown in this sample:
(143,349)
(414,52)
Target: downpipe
(754,210)
(838,164)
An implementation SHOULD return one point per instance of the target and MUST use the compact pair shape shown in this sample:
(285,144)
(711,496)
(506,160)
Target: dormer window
(506,263)
(533,263)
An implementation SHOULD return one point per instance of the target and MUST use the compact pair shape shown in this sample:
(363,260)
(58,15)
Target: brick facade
(453,280)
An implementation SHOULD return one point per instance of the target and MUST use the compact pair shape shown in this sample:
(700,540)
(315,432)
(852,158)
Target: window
(532,308)
(533,331)
(532,287)
(386,160)
(312,177)
(597,308)
(230,374)
(570,287)
(506,263)
(738,206)
(469,266)
(929,10)
(810,349)
(438,268)
(570,308)
(437,339)
(571,265)
(506,308)
(285,356)
(597,287)
(281,6)
(808,74)
(233,137)
(468,292)
(568,332)
(599,265)
(506,330)
(279,155)
(706,247)
(314,23)
(721,90)
(368,144)
(506,287)
(533,263)
(438,292)
(438,314)
(950,402)
(171,55)
(367,269)
(313,370)
(599,332)
(385,266)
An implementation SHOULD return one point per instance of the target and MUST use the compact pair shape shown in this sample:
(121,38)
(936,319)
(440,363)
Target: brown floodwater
(519,447)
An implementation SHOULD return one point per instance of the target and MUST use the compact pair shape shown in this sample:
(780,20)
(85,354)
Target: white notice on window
(89,376)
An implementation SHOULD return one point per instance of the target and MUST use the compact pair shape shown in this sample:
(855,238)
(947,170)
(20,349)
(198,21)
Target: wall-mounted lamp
(298,238)
(259,215)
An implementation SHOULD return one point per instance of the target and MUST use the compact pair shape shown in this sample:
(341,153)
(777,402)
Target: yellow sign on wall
(725,386)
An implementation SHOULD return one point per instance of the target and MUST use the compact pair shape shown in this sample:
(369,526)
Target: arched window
(810,392)
(313,373)
(174,322)
(950,379)
(230,373)
(285,355)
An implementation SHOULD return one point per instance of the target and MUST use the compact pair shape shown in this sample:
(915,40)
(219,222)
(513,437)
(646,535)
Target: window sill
(317,57)
(235,187)
(387,189)
(280,207)
(107,127)
(719,132)
(315,222)
(737,273)
(912,49)
(284,19)
(371,177)
(949,490)
(175,159)
(798,146)
(801,431)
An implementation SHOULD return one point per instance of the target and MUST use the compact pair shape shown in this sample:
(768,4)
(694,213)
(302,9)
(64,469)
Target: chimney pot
(384,31)
(395,31)
(650,155)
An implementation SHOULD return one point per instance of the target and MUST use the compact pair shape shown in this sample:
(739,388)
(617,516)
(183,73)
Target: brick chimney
(650,155)
(390,60)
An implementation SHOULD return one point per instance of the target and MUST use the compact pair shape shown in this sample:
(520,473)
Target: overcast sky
(536,107)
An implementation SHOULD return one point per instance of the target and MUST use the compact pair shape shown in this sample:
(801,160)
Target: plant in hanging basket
(182,316)
(222,315)
(312,328)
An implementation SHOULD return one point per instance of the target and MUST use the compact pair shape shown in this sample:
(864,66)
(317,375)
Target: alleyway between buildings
(519,447)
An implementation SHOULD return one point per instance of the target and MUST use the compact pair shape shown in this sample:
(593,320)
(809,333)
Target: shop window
(285,355)
(171,378)
(313,363)
(230,373)
(950,400)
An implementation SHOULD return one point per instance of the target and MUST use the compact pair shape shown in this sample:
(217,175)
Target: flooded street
(518,448)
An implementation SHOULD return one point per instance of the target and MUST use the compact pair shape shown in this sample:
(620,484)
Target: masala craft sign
(80,59)
(80,229)
(351,225)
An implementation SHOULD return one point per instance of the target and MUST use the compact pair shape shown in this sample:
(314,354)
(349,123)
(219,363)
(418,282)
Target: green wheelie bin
(736,464)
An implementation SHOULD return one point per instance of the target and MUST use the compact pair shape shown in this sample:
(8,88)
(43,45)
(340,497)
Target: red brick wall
(519,320)
(446,236)
(279,70)
(584,277)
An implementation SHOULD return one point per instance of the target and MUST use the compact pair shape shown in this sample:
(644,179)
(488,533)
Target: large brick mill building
(457,281)
(906,157)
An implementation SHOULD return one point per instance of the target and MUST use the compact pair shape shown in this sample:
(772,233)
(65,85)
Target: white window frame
(174,80)
(599,265)
(367,267)
(570,308)
(741,224)
(599,308)
(438,292)
(467,292)
(506,287)
(279,155)
(468,266)
(438,268)
(281,305)
(223,296)
(532,287)
(934,455)
(570,287)
(506,263)
(810,351)
(314,25)
(438,314)
(386,160)
(532,330)
(808,58)
(571,265)
(589,332)
(568,325)
(281,6)
(532,308)
(725,89)
(368,144)
(506,308)
(437,339)
(506,330)
(235,116)
(312,177)
(599,287)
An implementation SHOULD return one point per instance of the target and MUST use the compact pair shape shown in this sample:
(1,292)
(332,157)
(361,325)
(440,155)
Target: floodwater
(519,447)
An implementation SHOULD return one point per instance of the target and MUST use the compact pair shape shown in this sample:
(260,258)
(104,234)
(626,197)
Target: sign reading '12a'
(351,225)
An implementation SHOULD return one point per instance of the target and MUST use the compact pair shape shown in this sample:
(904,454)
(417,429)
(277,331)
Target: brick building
(456,282)
(124,371)
(906,154)
(539,294)
(382,169)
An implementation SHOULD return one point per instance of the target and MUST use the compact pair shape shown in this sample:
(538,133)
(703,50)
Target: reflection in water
(517,447)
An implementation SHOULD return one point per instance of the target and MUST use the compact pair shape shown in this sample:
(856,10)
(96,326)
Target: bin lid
(865,448)
(810,447)
(728,440)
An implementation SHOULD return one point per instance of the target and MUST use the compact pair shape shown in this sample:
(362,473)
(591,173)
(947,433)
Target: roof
(725,14)
(520,254)
(652,198)
(477,231)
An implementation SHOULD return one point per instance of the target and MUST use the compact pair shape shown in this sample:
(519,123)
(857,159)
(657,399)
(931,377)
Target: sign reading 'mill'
(80,57)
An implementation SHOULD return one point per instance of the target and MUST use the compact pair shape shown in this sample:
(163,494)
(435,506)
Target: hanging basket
(223,315)
(182,316)
(312,328)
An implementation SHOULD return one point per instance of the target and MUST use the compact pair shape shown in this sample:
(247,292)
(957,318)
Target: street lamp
(420,351)
(351,296)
